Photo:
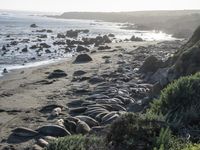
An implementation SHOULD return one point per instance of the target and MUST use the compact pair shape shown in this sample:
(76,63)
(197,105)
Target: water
(15,26)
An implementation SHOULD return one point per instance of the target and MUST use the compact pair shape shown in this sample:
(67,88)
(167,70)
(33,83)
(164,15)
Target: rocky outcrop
(83,58)
(137,39)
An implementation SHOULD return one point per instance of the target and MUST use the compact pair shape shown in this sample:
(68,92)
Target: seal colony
(78,96)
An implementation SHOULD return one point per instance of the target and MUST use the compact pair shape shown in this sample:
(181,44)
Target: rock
(5,70)
(57,74)
(44,45)
(96,79)
(111,35)
(4,48)
(151,64)
(79,73)
(42,30)
(47,51)
(49,31)
(33,25)
(108,61)
(72,33)
(104,47)
(24,132)
(83,58)
(59,35)
(82,128)
(24,50)
(137,39)
(81,49)
(42,36)
(90,121)
(53,130)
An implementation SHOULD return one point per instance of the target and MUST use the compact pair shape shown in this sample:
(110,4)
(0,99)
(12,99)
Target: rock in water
(24,132)
(53,130)
(33,25)
(82,127)
(83,58)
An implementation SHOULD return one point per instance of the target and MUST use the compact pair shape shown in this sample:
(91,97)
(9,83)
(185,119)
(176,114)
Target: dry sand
(23,91)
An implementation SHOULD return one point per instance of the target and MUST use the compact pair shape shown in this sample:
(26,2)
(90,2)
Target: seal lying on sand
(24,132)
(53,130)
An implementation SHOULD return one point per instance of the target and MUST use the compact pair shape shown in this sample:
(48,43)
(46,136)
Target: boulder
(57,74)
(79,73)
(151,64)
(33,25)
(81,49)
(136,39)
(104,47)
(83,58)
(72,33)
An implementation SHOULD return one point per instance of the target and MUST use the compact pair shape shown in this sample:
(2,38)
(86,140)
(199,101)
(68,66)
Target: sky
(98,5)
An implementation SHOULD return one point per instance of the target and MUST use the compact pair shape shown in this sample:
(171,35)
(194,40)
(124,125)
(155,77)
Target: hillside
(179,23)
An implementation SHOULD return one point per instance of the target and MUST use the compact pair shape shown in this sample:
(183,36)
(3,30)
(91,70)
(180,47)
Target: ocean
(16,34)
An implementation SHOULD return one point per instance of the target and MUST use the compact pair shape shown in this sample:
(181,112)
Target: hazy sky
(98,5)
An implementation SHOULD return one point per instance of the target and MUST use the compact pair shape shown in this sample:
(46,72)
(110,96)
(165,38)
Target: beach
(25,91)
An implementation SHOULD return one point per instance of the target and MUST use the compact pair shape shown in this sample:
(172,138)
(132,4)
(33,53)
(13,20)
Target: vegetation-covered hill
(179,23)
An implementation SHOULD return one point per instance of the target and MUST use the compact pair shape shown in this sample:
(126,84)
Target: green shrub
(180,102)
(192,147)
(77,142)
(133,131)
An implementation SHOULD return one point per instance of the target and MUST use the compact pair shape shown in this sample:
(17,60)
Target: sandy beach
(24,92)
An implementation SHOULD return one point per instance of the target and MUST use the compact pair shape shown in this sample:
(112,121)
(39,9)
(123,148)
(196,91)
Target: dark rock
(57,74)
(72,33)
(82,48)
(59,43)
(33,25)
(44,45)
(79,73)
(42,30)
(137,39)
(47,51)
(4,48)
(111,35)
(42,36)
(151,64)
(83,58)
(59,35)
(24,50)
(104,47)
(49,31)
(96,79)
(5,70)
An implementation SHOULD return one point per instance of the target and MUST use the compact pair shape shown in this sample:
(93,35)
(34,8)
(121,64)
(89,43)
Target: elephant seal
(90,121)
(24,132)
(82,127)
(53,130)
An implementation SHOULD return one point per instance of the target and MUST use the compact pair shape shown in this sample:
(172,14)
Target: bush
(77,142)
(180,102)
(133,131)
